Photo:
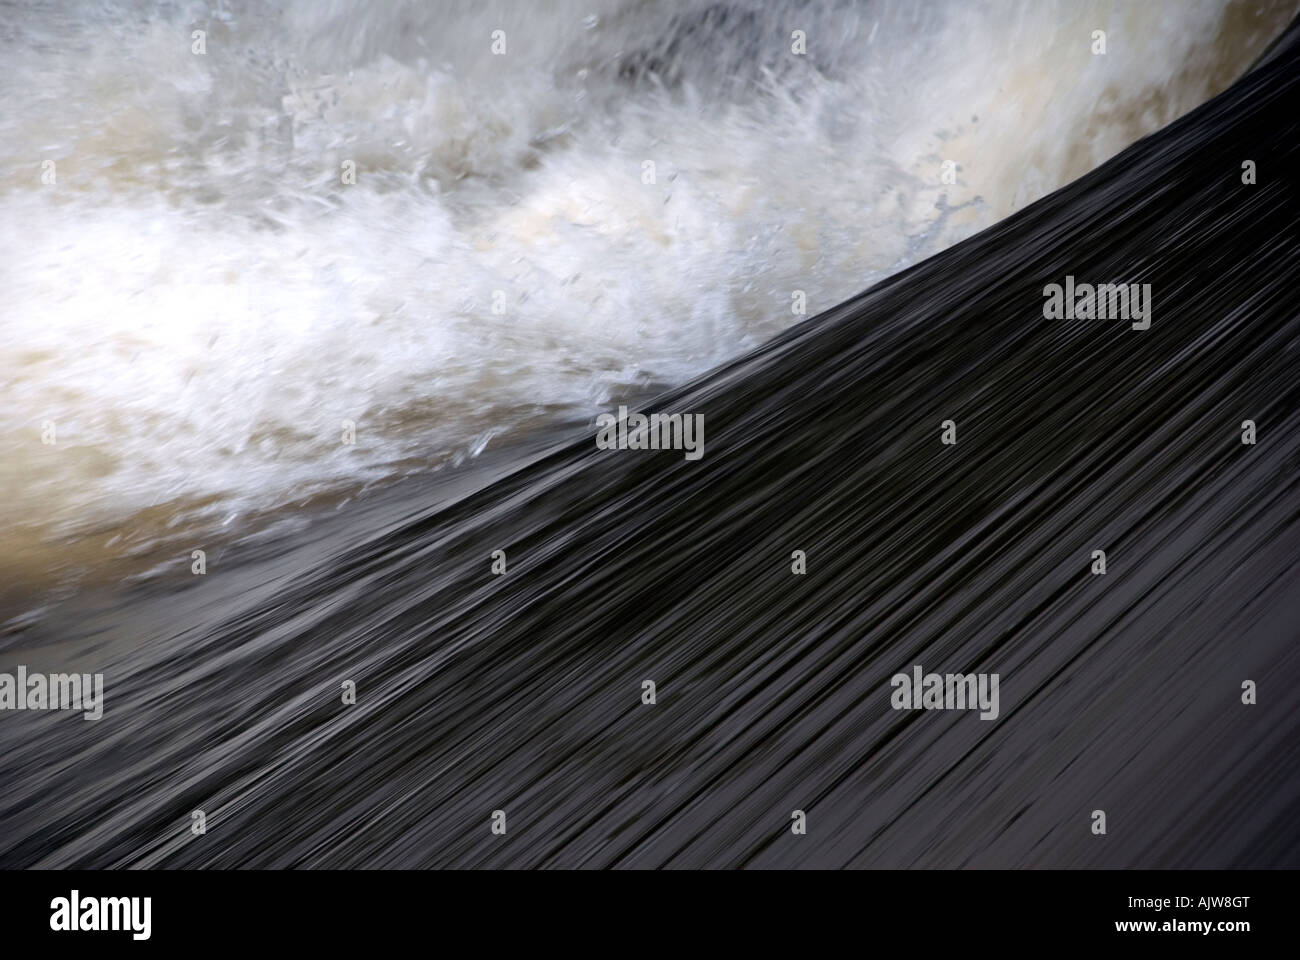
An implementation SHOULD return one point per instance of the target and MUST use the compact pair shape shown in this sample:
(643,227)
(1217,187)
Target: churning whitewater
(233,233)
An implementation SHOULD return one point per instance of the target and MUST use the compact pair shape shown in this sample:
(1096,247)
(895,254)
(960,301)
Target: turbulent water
(523,692)
(195,301)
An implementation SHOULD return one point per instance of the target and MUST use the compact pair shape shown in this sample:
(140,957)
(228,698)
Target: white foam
(199,302)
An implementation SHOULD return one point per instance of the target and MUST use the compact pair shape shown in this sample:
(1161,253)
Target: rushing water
(521,691)
(198,301)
